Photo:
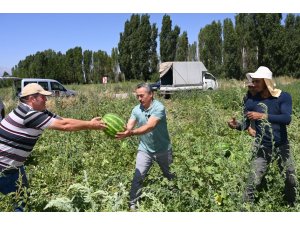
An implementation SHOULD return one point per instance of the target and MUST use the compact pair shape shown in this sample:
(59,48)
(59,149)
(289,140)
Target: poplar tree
(153,50)
(115,63)
(74,65)
(291,46)
(245,30)
(231,53)
(182,47)
(87,65)
(124,56)
(168,40)
(144,47)
(210,47)
(136,47)
(192,52)
(270,40)
(102,66)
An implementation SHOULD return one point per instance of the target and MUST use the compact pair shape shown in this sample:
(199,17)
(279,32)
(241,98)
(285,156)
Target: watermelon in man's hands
(114,124)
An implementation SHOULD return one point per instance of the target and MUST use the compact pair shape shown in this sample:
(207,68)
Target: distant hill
(3,69)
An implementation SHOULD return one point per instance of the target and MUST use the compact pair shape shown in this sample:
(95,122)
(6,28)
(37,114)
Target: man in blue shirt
(271,110)
(155,145)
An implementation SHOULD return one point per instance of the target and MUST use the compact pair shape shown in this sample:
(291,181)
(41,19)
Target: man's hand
(124,134)
(251,132)
(256,116)
(98,123)
(232,123)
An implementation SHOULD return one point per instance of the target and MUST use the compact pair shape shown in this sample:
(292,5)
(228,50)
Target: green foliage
(245,30)
(182,48)
(153,50)
(168,39)
(270,37)
(255,39)
(86,171)
(137,48)
(192,52)
(231,53)
(102,67)
(210,47)
(87,66)
(291,45)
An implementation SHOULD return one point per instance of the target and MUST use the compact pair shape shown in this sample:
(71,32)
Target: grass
(87,171)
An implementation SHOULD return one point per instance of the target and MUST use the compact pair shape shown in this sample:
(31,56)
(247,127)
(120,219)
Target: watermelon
(114,124)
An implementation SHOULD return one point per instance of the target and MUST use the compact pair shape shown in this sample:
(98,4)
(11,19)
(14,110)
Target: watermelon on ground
(114,124)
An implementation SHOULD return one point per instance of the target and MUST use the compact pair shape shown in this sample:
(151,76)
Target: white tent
(182,73)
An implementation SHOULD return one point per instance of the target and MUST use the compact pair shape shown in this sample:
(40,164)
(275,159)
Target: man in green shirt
(150,118)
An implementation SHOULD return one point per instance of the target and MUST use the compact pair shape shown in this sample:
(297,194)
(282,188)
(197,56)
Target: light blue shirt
(157,140)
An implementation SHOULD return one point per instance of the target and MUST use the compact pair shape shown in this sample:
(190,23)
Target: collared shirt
(19,132)
(158,139)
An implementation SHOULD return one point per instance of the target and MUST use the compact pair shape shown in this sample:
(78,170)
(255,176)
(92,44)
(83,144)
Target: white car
(54,86)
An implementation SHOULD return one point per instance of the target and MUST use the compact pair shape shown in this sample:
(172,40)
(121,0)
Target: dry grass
(63,103)
(225,84)
(285,80)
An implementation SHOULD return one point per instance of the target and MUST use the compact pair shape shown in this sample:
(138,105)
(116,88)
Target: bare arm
(130,125)
(68,124)
(150,125)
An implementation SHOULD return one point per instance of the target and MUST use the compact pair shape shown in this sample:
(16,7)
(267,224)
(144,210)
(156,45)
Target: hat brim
(47,93)
(271,87)
(249,77)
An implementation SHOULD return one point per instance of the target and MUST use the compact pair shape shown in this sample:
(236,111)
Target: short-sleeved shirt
(157,140)
(19,132)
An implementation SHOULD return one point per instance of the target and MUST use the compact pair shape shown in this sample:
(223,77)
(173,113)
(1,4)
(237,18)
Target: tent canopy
(182,73)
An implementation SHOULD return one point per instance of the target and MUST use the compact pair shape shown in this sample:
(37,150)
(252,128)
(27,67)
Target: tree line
(228,50)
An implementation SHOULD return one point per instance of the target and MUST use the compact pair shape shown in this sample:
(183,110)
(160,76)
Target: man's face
(144,97)
(38,102)
(259,85)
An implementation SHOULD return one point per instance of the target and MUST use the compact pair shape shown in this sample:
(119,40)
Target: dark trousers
(13,181)
(262,158)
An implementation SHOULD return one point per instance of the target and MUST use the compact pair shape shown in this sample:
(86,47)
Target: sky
(29,26)
(42,28)
(24,34)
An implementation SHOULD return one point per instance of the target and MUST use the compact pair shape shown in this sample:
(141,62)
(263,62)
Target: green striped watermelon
(114,124)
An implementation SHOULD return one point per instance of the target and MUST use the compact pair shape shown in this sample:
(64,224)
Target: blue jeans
(262,158)
(9,182)
(144,161)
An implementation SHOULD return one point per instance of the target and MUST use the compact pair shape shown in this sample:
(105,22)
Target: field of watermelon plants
(88,171)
